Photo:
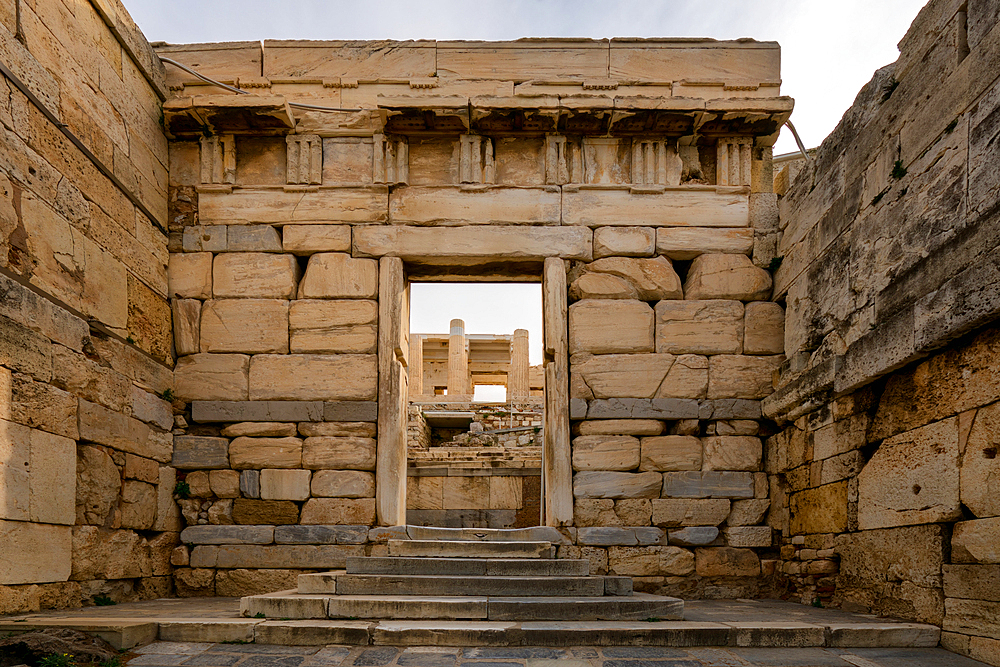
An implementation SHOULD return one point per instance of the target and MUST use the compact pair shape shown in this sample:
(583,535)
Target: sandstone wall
(890,256)
(637,172)
(86,505)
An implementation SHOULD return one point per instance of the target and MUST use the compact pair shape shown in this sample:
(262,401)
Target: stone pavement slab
(180,654)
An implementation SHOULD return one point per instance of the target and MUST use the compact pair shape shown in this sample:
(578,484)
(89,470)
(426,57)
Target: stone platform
(708,623)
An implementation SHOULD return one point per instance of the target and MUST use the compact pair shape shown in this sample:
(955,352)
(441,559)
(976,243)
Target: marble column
(458,362)
(416,366)
(517,379)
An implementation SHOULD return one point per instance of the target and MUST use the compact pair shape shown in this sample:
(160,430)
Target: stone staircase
(465,574)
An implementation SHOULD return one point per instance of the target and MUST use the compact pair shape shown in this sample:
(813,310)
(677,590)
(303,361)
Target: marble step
(639,607)
(339,582)
(437,548)
(481,567)
(440,585)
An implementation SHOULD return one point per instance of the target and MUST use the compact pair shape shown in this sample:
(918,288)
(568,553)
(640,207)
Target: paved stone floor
(172,654)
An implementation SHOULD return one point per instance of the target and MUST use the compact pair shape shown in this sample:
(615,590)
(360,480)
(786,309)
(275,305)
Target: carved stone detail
(556,162)
(304,159)
(654,162)
(218,159)
(733,160)
(476,164)
(391,162)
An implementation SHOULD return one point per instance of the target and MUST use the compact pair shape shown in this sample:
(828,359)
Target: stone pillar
(518,388)
(416,367)
(557,466)
(390,455)
(458,362)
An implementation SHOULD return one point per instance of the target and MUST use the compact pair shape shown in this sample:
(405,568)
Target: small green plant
(112,662)
(877,198)
(260,614)
(898,170)
(775,263)
(951,126)
(889,88)
(56,660)
(653,619)
(182,489)
(102,600)
(130,340)
(235,641)
(818,603)
(168,395)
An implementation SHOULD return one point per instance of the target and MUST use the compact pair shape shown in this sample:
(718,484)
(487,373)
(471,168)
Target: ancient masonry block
(218,159)
(600,160)
(304,159)
(655,163)
(733,160)
(476,160)
(391,160)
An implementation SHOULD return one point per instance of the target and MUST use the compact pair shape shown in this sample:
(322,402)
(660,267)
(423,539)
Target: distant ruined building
(757,382)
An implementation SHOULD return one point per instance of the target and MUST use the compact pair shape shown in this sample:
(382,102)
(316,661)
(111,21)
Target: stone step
(325,583)
(639,607)
(423,584)
(469,549)
(475,567)
(534,534)
(647,632)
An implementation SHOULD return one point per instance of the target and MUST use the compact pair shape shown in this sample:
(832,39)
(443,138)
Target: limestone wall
(632,177)
(889,274)
(86,505)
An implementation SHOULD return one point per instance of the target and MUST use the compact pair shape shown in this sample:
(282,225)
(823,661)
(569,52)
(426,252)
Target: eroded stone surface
(717,276)
(980,465)
(913,478)
(607,326)
(699,327)
(339,276)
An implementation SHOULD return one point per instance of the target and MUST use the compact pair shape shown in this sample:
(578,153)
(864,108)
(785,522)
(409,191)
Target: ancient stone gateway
(600,181)
(755,384)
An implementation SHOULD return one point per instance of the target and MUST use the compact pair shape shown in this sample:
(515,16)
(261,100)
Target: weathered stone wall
(636,172)
(671,378)
(885,463)
(473,497)
(86,505)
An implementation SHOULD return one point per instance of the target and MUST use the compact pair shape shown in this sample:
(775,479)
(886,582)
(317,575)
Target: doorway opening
(475,415)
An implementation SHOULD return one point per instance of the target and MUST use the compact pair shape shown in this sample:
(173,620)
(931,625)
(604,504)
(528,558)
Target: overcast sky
(829,50)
